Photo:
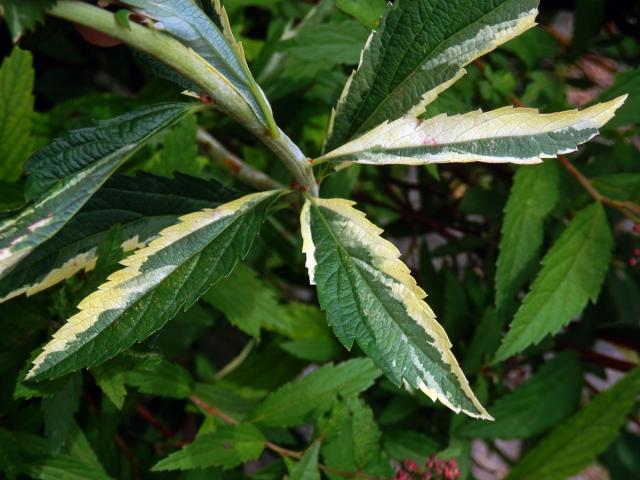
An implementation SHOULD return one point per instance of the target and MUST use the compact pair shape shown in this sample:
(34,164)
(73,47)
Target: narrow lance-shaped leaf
(371,298)
(156,283)
(534,194)
(70,170)
(549,396)
(188,23)
(141,206)
(228,446)
(572,273)
(418,51)
(518,135)
(576,442)
(16,111)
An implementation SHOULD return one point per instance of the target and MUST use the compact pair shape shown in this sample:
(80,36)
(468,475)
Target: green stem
(190,65)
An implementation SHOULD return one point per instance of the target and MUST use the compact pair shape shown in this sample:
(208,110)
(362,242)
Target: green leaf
(625,83)
(371,298)
(534,194)
(418,51)
(575,443)
(23,15)
(16,111)
(69,171)
(180,150)
(508,134)
(185,21)
(355,437)
(307,467)
(157,282)
(59,410)
(367,12)
(548,397)
(294,402)
(228,446)
(141,206)
(572,273)
(9,454)
(154,375)
(406,444)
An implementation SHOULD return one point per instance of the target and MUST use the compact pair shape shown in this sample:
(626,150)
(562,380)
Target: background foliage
(494,246)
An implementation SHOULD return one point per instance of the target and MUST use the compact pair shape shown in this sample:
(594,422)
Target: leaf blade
(508,134)
(371,298)
(572,273)
(155,283)
(407,63)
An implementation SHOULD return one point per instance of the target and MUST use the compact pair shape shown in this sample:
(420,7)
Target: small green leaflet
(140,205)
(185,21)
(157,282)
(575,443)
(294,402)
(307,467)
(418,51)
(367,12)
(23,15)
(154,375)
(371,298)
(228,446)
(572,273)
(625,82)
(534,194)
(548,397)
(59,410)
(508,134)
(16,111)
(70,170)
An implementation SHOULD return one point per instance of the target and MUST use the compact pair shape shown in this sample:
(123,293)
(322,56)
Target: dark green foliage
(156,315)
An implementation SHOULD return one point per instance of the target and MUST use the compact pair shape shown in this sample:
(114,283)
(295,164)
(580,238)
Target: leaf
(154,375)
(66,173)
(367,12)
(292,403)
(59,410)
(508,134)
(534,194)
(351,435)
(406,444)
(16,110)
(371,298)
(180,150)
(140,205)
(22,15)
(418,51)
(572,273)
(625,83)
(307,467)
(548,397)
(185,21)
(576,442)
(228,446)
(157,282)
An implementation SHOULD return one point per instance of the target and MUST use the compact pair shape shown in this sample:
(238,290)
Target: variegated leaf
(517,135)
(70,170)
(188,23)
(372,299)
(156,283)
(419,50)
(142,206)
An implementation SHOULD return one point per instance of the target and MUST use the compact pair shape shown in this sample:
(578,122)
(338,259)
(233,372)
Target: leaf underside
(371,298)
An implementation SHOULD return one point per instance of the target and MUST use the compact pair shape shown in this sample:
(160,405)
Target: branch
(283,452)
(238,168)
(193,67)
